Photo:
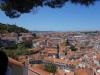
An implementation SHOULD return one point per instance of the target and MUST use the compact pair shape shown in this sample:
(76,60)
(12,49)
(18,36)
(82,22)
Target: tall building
(57,50)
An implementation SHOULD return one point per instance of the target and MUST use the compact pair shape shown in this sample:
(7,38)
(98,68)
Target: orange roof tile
(40,71)
(13,61)
(70,73)
(82,72)
(60,72)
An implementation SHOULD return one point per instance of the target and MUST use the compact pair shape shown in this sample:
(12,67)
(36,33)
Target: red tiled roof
(13,61)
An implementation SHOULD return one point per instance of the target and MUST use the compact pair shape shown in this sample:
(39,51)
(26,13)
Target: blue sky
(69,18)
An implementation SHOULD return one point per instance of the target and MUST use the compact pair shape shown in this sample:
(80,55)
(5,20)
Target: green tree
(14,8)
(65,51)
(72,47)
(28,44)
(21,46)
(7,28)
(67,43)
(11,54)
(19,52)
(26,52)
(50,68)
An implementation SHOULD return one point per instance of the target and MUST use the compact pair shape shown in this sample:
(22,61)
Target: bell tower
(58,47)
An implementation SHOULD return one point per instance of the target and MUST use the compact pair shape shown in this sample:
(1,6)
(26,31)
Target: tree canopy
(72,47)
(7,28)
(14,8)
(50,68)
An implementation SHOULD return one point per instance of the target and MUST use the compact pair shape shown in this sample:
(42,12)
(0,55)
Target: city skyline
(71,17)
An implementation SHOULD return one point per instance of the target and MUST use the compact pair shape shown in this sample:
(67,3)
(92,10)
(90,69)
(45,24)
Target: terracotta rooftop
(13,61)
(39,71)
(81,72)
(70,73)
(60,72)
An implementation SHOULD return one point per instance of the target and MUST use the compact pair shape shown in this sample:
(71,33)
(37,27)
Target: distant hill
(7,28)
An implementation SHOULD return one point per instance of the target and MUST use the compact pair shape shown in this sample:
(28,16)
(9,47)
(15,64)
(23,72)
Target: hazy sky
(69,18)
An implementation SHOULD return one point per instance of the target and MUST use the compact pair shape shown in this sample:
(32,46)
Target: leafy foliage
(13,47)
(15,53)
(50,68)
(35,36)
(72,47)
(7,28)
(67,43)
(23,45)
(14,8)
(65,51)
(28,44)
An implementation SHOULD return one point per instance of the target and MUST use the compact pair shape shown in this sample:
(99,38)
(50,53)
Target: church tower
(58,47)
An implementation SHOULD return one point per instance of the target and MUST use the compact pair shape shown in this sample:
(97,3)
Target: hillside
(7,28)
